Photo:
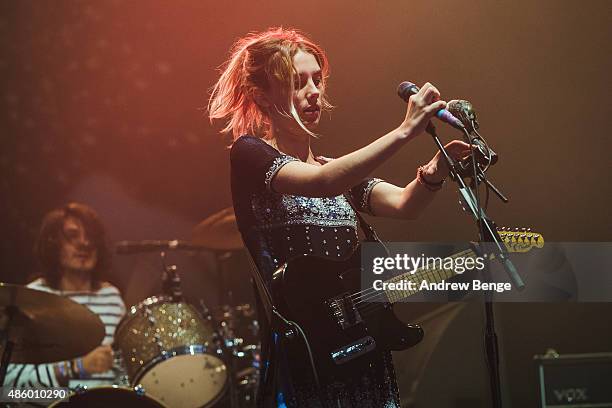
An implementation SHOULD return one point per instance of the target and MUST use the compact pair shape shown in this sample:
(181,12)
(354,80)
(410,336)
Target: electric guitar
(342,323)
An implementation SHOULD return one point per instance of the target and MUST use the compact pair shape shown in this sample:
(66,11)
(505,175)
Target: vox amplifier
(575,380)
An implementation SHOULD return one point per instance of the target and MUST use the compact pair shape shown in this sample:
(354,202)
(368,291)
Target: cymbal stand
(226,300)
(225,293)
(171,281)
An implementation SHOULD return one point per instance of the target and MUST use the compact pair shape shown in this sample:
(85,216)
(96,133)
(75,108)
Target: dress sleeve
(360,194)
(255,163)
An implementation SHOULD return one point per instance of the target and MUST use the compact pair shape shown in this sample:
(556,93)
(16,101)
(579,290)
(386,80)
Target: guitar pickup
(353,350)
(344,312)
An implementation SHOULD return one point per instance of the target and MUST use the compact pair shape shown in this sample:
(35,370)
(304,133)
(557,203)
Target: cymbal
(219,231)
(46,327)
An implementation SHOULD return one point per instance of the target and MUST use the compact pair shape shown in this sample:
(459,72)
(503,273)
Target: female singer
(289,202)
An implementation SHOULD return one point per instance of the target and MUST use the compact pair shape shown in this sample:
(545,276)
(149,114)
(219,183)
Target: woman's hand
(422,106)
(437,170)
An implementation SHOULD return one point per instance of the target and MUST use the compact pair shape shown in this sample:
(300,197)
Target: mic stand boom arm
(483,178)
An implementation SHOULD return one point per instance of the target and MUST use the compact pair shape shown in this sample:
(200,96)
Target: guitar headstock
(520,239)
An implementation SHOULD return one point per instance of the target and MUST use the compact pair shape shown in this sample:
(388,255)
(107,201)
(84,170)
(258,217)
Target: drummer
(73,255)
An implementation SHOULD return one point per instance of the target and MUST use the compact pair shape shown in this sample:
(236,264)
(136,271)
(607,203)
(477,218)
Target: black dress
(276,227)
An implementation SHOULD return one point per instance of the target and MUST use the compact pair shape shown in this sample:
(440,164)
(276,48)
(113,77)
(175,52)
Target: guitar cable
(293,324)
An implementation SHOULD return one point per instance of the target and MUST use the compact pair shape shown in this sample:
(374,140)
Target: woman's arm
(388,200)
(344,172)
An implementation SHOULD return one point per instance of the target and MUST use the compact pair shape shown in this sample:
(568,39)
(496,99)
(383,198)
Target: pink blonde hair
(255,61)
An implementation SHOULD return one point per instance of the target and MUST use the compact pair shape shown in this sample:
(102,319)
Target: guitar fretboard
(431,275)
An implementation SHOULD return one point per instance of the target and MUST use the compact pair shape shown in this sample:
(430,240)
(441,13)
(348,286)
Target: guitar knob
(536,237)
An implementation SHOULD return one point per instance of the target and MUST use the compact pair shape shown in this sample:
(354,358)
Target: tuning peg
(536,237)
(522,236)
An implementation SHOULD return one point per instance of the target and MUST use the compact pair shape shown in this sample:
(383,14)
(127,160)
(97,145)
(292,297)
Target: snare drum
(169,348)
(109,396)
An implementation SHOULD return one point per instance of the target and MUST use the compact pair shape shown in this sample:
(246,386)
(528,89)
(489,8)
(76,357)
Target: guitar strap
(261,289)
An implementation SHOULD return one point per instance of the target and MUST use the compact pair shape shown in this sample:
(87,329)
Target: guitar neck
(425,274)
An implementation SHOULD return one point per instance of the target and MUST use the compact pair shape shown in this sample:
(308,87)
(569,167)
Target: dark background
(102,102)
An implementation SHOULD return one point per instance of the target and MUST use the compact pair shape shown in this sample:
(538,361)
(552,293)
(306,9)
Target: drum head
(111,396)
(186,381)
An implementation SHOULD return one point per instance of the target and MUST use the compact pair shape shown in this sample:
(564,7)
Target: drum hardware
(171,282)
(239,331)
(138,247)
(172,349)
(224,341)
(237,324)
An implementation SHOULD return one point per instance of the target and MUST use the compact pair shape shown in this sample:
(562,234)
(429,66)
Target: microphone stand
(490,241)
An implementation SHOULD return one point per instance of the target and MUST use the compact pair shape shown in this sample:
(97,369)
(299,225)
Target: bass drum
(169,348)
(109,396)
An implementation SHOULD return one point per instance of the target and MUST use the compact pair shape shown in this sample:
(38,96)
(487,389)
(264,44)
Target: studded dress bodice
(277,227)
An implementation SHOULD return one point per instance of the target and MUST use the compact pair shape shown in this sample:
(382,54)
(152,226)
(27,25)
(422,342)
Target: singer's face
(308,83)
(77,252)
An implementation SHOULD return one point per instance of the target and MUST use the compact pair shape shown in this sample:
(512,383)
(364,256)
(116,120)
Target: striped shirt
(106,303)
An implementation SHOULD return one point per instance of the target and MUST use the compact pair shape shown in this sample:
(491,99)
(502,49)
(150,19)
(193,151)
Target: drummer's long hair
(48,244)
(255,61)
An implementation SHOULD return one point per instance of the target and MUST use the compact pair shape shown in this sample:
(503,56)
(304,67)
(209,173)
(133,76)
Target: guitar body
(342,333)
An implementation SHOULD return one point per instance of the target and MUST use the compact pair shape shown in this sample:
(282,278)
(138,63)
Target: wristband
(81,368)
(75,369)
(428,184)
(62,369)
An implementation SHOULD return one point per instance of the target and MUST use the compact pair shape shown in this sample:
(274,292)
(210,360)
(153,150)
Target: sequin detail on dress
(275,167)
(365,198)
(274,210)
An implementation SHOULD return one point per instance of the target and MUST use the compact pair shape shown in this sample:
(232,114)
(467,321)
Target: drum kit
(172,353)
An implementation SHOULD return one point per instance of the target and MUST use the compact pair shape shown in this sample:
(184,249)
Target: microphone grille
(406,89)
(464,111)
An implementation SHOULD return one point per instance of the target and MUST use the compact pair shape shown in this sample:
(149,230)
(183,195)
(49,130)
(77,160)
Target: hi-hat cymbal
(219,231)
(46,327)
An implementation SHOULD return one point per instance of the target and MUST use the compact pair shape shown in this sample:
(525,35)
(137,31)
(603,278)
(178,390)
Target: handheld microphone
(406,89)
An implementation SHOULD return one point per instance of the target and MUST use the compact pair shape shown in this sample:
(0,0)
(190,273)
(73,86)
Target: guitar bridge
(343,310)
